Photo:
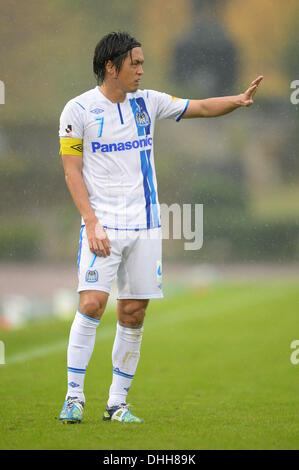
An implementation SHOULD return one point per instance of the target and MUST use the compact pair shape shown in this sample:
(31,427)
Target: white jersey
(118,153)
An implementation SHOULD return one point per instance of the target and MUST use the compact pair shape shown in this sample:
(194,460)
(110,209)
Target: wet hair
(114,47)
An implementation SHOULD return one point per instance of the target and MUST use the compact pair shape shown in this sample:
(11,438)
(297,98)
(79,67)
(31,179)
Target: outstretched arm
(212,107)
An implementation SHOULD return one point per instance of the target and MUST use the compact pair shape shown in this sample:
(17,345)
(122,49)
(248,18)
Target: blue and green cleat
(120,413)
(72,410)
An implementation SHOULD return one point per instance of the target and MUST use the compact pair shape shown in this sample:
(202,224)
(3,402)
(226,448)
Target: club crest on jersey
(97,111)
(142,117)
(91,275)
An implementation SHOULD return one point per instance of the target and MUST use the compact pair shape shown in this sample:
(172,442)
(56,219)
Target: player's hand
(98,240)
(246,99)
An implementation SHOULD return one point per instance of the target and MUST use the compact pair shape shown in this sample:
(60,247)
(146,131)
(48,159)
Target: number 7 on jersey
(101,123)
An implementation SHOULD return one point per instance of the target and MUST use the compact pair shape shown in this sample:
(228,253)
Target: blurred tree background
(243,167)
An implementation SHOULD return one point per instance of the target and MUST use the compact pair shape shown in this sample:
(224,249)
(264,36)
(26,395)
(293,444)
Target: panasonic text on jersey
(121,146)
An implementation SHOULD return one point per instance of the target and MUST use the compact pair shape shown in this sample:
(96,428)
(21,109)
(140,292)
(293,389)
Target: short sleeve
(72,121)
(167,106)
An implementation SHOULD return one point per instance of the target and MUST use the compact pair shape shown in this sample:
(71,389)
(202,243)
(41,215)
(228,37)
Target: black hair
(114,47)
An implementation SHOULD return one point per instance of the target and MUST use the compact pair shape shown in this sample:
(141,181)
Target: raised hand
(246,99)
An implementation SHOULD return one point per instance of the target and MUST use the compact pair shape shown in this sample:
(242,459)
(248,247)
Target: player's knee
(132,314)
(92,306)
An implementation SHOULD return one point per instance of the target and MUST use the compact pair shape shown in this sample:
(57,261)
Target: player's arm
(97,237)
(213,107)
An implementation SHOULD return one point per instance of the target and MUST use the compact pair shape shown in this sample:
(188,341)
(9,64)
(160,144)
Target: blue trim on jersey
(143,123)
(116,371)
(120,113)
(182,114)
(77,371)
(89,318)
(154,204)
(142,117)
(150,194)
(80,105)
(147,192)
(80,245)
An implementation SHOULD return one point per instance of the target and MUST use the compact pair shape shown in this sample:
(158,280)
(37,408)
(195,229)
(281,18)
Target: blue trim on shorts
(80,245)
(93,260)
(130,229)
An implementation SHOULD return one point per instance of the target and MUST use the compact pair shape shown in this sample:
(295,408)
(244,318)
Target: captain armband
(70,146)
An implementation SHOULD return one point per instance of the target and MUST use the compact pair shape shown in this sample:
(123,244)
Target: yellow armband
(70,146)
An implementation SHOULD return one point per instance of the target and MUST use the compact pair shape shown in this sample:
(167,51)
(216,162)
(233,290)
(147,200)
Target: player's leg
(81,343)
(139,279)
(125,356)
(82,338)
(126,348)
(95,278)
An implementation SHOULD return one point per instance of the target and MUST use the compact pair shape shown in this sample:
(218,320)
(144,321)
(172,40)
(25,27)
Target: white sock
(81,344)
(125,357)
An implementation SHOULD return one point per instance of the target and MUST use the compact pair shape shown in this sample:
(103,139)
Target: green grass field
(215,373)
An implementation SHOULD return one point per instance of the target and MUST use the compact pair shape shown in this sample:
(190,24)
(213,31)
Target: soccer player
(106,144)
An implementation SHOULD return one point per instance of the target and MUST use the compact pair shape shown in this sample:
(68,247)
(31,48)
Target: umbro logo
(97,111)
(73,384)
(78,147)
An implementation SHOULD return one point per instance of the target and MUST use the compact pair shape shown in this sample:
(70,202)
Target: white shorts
(135,259)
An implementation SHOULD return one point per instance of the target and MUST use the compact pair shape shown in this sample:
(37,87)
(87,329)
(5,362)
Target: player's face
(131,71)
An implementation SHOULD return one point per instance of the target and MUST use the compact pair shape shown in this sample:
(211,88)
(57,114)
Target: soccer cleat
(120,413)
(72,410)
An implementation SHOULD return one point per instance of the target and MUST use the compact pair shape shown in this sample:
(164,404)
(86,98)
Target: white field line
(173,316)
(33,353)
(46,350)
